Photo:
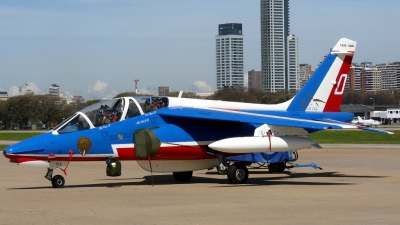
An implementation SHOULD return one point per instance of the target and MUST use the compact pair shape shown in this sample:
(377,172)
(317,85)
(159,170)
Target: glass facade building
(229,55)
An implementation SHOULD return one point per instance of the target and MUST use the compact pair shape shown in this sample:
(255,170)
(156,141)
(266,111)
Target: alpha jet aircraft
(179,135)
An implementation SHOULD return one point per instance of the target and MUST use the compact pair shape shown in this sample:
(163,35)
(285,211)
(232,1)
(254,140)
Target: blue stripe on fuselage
(302,98)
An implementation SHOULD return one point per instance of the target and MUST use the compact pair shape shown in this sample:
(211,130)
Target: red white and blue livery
(180,135)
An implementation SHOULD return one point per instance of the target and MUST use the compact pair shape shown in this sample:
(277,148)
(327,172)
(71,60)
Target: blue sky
(97,48)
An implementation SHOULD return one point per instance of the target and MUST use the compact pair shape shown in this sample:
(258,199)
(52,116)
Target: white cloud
(202,86)
(33,87)
(145,91)
(15,90)
(99,90)
(98,86)
(67,94)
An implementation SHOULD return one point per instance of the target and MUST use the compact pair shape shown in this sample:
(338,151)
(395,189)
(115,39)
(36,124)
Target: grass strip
(354,137)
(16,136)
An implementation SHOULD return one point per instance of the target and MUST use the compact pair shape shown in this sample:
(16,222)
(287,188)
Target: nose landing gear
(57,181)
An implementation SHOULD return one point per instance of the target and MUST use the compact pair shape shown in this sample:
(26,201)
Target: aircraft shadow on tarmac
(286,178)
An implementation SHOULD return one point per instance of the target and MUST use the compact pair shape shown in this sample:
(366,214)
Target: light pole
(136,84)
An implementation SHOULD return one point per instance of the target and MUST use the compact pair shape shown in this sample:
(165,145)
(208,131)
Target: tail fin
(323,92)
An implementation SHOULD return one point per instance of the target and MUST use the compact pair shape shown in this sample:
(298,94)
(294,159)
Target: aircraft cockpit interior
(151,103)
(110,111)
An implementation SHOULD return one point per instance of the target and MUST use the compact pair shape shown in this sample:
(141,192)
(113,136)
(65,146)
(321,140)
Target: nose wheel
(58,181)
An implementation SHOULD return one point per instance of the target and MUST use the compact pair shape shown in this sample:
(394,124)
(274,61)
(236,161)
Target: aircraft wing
(246,117)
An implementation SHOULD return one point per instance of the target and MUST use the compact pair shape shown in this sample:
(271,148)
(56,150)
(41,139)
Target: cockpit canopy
(110,111)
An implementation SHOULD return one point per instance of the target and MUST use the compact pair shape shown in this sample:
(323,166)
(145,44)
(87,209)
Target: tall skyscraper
(292,63)
(229,55)
(279,50)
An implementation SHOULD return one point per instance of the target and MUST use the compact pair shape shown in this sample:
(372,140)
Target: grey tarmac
(359,184)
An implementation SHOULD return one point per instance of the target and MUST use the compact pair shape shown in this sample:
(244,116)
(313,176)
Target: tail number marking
(341,84)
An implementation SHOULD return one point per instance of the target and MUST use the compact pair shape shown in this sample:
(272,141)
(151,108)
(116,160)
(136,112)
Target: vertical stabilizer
(323,92)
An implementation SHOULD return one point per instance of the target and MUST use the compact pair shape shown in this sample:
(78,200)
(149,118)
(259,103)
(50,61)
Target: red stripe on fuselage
(336,95)
(169,153)
(128,153)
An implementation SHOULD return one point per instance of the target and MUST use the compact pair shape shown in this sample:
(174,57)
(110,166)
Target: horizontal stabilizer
(374,130)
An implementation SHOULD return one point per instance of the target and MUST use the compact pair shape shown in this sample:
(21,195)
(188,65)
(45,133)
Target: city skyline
(97,49)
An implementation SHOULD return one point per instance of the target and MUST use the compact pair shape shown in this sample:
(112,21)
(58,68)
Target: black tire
(58,181)
(183,176)
(277,167)
(238,174)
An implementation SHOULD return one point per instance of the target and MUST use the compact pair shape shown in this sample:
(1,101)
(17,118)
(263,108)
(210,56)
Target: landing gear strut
(49,174)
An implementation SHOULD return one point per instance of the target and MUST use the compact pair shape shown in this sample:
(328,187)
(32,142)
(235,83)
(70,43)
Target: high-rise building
(389,75)
(279,50)
(354,80)
(254,79)
(292,63)
(372,79)
(229,55)
(54,89)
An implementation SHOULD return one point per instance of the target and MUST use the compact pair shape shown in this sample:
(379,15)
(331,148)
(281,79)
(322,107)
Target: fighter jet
(181,135)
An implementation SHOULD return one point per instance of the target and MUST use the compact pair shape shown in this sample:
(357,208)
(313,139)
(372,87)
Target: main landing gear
(237,173)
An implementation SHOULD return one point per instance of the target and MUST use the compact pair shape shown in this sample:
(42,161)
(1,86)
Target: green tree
(4,115)
(20,109)
(125,94)
(184,94)
(352,97)
(45,108)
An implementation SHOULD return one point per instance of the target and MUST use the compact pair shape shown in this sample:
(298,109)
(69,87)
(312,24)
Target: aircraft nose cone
(5,152)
